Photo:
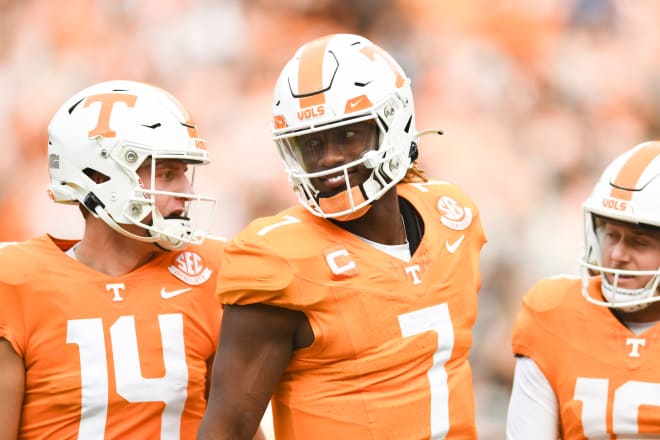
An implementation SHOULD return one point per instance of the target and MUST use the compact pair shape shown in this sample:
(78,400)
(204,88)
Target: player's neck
(651,313)
(381,224)
(107,251)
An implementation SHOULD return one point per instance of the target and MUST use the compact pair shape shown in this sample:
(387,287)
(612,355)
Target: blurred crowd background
(535,97)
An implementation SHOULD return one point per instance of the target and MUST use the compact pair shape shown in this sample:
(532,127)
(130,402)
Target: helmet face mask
(626,289)
(354,140)
(100,138)
(333,82)
(623,206)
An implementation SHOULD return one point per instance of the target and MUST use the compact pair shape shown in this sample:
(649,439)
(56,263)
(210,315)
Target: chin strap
(103,215)
(611,294)
(344,201)
(350,198)
(166,239)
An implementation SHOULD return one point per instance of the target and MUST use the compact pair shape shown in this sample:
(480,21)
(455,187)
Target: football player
(587,364)
(354,310)
(113,335)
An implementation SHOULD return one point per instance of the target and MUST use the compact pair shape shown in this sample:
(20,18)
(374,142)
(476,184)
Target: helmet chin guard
(626,300)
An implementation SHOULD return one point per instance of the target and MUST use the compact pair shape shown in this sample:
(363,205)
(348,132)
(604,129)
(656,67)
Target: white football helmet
(334,81)
(628,191)
(111,128)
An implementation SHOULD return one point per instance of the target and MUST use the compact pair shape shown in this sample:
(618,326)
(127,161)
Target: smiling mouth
(334,184)
(334,181)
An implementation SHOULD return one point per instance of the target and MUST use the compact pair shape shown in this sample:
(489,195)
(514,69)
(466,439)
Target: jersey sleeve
(540,320)
(251,272)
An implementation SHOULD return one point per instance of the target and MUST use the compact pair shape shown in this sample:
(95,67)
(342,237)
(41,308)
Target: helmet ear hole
(96,176)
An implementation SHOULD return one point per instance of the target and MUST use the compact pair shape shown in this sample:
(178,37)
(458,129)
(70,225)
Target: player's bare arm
(12,385)
(257,342)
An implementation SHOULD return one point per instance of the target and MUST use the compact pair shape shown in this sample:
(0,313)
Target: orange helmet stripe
(310,72)
(629,175)
(189,123)
(371,51)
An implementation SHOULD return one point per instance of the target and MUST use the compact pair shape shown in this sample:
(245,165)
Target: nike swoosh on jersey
(167,294)
(451,247)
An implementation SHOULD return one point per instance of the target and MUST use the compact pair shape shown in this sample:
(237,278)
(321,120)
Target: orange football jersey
(390,355)
(110,357)
(606,378)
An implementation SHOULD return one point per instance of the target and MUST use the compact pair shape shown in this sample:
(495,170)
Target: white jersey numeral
(437,319)
(88,334)
(423,186)
(170,389)
(627,400)
(288,220)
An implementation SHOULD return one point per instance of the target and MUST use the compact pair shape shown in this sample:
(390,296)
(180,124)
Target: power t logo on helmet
(99,139)
(107,102)
(342,91)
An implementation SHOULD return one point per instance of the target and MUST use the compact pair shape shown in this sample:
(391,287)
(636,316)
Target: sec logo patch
(189,267)
(454,215)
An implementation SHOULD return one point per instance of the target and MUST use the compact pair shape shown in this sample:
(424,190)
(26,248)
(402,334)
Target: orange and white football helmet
(628,191)
(334,81)
(112,128)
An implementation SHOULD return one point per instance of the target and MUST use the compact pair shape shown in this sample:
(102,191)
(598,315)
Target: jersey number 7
(437,319)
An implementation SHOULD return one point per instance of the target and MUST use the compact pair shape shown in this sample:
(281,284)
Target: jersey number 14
(130,384)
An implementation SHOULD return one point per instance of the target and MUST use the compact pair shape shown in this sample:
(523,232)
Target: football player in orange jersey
(112,336)
(353,311)
(587,362)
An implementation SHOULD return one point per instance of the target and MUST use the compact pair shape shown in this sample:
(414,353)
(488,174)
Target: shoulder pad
(550,292)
